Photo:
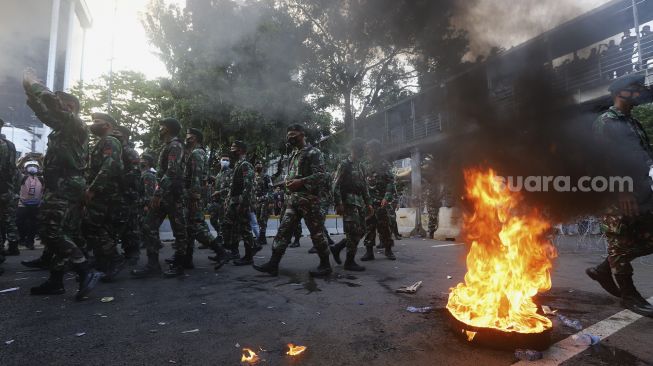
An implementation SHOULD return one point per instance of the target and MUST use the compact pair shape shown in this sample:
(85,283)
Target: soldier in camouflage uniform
(7,172)
(236,223)
(433,204)
(325,202)
(263,193)
(127,220)
(381,185)
(167,201)
(304,182)
(8,199)
(352,201)
(195,178)
(103,196)
(148,186)
(628,225)
(64,186)
(218,206)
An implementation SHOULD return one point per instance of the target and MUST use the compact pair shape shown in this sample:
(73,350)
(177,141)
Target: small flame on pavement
(249,356)
(295,350)
(470,335)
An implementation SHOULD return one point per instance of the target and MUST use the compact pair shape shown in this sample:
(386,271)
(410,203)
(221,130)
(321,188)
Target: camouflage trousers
(432,213)
(354,225)
(60,219)
(262,210)
(173,208)
(197,228)
(628,238)
(99,226)
(311,212)
(128,224)
(8,203)
(379,222)
(235,227)
(216,214)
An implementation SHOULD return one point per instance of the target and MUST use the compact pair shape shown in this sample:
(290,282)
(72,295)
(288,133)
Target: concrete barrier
(449,223)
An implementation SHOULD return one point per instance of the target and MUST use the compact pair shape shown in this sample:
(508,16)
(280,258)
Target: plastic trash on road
(528,354)
(425,309)
(584,339)
(571,323)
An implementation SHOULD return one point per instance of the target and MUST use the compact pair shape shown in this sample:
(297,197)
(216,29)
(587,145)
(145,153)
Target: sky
(512,22)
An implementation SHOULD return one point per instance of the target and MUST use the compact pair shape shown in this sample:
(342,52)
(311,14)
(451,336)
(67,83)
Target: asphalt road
(349,319)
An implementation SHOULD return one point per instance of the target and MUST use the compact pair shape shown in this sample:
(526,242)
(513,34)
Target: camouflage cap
(239,144)
(172,124)
(296,127)
(104,117)
(626,82)
(148,157)
(197,133)
(125,132)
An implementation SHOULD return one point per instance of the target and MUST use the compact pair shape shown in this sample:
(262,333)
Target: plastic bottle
(584,339)
(424,309)
(528,354)
(571,323)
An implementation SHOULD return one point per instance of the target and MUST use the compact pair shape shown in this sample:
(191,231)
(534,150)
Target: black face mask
(189,142)
(95,129)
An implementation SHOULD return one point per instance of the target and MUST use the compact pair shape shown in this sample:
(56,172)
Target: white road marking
(446,245)
(566,349)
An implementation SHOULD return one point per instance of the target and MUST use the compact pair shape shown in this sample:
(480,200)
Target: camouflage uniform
(195,178)
(104,180)
(433,204)
(170,190)
(263,192)
(350,190)
(8,199)
(148,186)
(306,164)
(236,220)
(63,172)
(217,207)
(628,237)
(381,185)
(129,222)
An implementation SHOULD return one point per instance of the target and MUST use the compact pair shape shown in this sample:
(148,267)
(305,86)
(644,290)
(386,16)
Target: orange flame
(249,356)
(295,350)
(509,260)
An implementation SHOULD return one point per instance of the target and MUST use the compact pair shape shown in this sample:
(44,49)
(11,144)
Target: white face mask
(32,170)
(224,163)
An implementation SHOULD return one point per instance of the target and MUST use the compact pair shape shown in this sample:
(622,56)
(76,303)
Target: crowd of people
(97,204)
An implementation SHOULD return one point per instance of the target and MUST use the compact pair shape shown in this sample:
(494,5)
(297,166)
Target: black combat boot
(12,249)
(313,250)
(187,261)
(247,259)
(152,268)
(389,254)
(52,286)
(603,275)
(336,249)
(350,262)
(398,236)
(631,299)
(175,270)
(431,233)
(294,244)
(324,268)
(380,246)
(88,279)
(272,266)
(369,254)
(113,267)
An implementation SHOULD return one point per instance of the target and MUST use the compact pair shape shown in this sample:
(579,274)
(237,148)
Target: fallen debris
(571,323)
(410,289)
(585,339)
(9,342)
(9,290)
(80,334)
(422,310)
(191,331)
(107,299)
(547,310)
(528,354)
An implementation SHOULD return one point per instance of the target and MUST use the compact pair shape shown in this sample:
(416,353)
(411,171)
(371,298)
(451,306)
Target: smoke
(504,23)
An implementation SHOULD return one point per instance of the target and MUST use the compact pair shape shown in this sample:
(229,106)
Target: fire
(509,260)
(249,356)
(295,350)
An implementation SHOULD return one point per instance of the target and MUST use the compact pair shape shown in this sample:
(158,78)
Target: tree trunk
(349,117)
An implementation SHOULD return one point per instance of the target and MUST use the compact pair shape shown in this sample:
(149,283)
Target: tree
(136,102)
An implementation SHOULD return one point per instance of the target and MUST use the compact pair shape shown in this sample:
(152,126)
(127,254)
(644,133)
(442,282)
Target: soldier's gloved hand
(29,78)
(340,209)
(370,211)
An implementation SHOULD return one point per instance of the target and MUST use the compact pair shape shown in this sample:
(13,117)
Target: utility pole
(113,39)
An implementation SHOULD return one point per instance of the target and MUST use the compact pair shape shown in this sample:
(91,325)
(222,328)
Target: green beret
(627,81)
(239,144)
(196,132)
(148,157)
(125,132)
(296,127)
(172,124)
(104,117)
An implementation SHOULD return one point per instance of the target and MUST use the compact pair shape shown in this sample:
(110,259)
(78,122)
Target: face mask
(189,141)
(95,129)
(292,141)
(224,164)
(32,170)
